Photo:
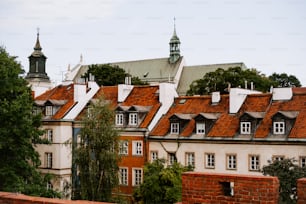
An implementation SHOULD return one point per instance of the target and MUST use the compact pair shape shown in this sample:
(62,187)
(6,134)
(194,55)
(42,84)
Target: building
(171,69)
(37,76)
(236,133)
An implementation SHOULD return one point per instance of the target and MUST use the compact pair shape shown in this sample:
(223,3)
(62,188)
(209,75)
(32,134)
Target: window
(279,128)
(200,128)
(231,162)
(123,176)
(119,119)
(175,128)
(137,147)
(48,160)
(89,112)
(245,127)
(278,158)
(49,110)
(123,147)
(254,162)
(209,160)
(154,155)
(189,158)
(171,158)
(49,186)
(137,177)
(49,135)
(133,119)
(303,161)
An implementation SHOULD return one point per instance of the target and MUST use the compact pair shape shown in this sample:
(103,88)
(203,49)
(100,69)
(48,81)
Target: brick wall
(216,188)
(15,198)
(301,190)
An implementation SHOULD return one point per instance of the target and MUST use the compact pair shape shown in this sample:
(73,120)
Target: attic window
(133,119)
(279,128)
(49,110)
(245,127)
(175,127)
(200,126)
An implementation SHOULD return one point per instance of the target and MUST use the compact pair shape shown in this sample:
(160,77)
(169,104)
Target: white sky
(269,35)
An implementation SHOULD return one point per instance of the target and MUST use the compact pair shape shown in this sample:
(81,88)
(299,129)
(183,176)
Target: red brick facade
(301,191)
(15,198)
(211,188)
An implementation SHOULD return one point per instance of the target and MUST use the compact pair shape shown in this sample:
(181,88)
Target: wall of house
(131,161)
(242,152)
(210,188)
(61,154)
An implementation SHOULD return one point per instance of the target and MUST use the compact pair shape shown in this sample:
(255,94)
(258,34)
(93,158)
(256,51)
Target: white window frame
(190,159)
(123,176)
(200,128)
(48,160)
(302,161)
(278,157)
(209,160)
(171,158)
(175,128)
(49,135)
(279,127)
(153,155)
(254,163)
(137,176)
(49,185)
(133,119)
(123,147)
(49,110)
(119,118)
(137,148)
(231,161)
(245,127)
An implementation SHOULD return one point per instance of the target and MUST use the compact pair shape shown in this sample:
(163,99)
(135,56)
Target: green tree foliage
(109,75)
(287,172)
(220,79)
(96,155)
(283,80)
(161,184)
(19,129)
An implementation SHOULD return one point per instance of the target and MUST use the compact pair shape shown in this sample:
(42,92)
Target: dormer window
(245,127)
(279,128)
(175,128)
(119,119)
(200,128)
(133,119)
(49,110)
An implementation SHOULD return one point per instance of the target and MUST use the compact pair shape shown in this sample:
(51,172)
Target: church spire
(174,46)
(37,70)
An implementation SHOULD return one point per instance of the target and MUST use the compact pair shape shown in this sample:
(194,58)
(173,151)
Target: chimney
(123,91)
(284,93)
(215,97)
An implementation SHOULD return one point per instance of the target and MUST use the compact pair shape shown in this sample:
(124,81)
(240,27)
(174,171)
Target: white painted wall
(241,150)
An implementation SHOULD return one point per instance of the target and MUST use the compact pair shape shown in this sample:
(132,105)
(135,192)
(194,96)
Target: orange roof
(61,92)
(227,125)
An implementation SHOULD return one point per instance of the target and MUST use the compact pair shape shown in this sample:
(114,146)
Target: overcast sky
(269,35)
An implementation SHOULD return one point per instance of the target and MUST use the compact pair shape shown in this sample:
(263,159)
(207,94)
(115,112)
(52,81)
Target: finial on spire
(174,21)
(81,59)
(37,45)
(37,31)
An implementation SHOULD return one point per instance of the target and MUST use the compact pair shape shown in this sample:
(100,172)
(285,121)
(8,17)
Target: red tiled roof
(189,105)
(227,124)
(61,92)
(144,96)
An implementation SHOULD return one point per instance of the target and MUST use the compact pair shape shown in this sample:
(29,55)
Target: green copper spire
(174,47)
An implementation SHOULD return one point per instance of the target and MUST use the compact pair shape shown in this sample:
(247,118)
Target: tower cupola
(174,47)
(37,60)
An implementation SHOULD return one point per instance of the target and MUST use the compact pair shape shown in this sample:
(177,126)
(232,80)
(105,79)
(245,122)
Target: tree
(283,80)
(221,79)
(287,172)
(96,155)
(19,129)
(160,184)
(109,75)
